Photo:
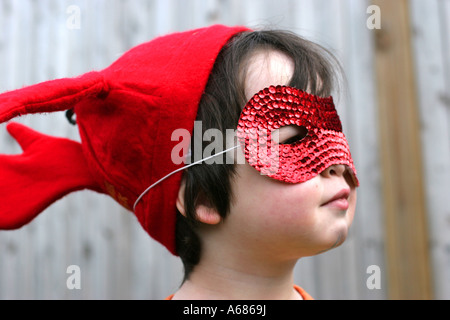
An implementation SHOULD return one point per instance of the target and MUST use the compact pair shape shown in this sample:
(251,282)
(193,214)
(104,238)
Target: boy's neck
(227,282)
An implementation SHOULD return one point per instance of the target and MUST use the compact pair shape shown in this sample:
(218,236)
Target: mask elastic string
(178,170)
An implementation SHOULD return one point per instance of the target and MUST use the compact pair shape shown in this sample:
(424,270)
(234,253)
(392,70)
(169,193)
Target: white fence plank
(432,56)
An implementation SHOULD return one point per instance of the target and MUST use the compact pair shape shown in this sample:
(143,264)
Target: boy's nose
(334,170)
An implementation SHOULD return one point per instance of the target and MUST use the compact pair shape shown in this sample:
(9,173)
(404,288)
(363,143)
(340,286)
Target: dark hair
(315,69)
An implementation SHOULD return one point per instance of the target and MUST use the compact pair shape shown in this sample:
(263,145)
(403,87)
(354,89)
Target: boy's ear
(204,212)
(207,214)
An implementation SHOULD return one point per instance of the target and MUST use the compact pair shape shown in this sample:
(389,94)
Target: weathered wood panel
(431,43)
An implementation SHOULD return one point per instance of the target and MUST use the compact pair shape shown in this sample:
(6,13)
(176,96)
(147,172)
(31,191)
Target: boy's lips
(339,200)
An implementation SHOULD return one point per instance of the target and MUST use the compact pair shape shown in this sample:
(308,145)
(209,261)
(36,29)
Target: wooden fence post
(407,239)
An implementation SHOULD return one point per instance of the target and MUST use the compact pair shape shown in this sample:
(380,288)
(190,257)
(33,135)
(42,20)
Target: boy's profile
(238,227)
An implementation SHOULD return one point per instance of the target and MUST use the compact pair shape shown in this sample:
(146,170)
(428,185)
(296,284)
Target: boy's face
(284,219)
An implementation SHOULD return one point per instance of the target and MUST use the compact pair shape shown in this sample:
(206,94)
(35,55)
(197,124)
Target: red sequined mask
(323,144)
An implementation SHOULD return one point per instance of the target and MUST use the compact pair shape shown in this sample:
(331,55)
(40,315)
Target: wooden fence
(47,39)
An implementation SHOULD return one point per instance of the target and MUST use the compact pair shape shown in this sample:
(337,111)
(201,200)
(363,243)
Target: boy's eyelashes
(290,134)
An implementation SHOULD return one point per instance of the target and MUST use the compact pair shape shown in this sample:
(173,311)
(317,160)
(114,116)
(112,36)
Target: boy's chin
(339,239)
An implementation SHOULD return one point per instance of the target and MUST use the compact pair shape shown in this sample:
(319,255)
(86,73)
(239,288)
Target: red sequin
(278,106)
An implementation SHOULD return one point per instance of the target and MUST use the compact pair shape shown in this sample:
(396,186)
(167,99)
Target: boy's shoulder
(305,295)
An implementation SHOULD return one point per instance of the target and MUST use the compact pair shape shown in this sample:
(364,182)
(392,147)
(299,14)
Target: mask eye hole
(290,134)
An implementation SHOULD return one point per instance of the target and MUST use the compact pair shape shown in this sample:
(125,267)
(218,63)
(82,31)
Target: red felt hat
(126,115)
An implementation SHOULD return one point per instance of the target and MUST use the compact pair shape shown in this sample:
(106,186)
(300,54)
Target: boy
(253,228)
(240,228)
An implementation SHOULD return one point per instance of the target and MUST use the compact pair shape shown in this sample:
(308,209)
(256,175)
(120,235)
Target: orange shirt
(305,295)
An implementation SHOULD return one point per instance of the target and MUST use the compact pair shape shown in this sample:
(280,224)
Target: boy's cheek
(285,208)
(273,200)
(352,208)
